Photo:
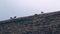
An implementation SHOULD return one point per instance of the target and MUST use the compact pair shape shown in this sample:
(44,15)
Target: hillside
(46,23)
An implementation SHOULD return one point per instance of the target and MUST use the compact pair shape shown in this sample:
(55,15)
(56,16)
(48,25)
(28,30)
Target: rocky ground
(46,23)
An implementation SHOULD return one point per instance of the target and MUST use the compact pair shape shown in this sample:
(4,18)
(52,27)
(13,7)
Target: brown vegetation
(47,23)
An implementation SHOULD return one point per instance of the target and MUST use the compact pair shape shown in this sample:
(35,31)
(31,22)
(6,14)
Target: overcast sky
(21,8)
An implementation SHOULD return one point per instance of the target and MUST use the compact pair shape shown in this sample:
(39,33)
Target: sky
(21,8)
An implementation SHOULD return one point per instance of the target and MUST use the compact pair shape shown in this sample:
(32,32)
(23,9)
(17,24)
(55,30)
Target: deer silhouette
(42,12)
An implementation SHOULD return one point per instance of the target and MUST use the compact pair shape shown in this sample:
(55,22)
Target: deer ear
(10,17)
(14,16)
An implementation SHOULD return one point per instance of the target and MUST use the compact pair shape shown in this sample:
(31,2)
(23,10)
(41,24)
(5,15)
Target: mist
(21,8)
